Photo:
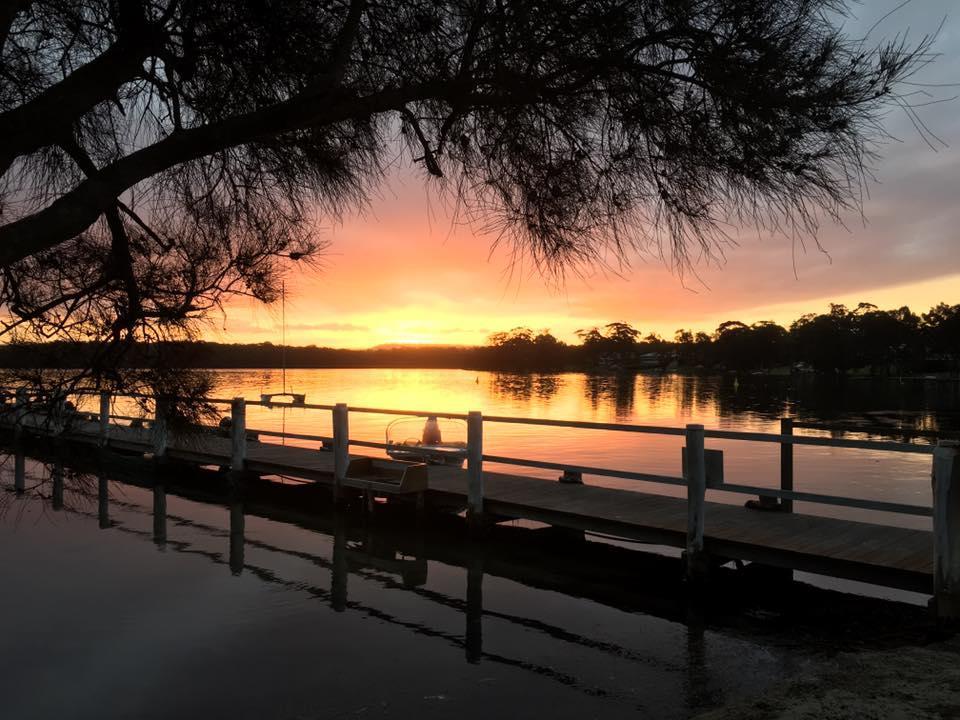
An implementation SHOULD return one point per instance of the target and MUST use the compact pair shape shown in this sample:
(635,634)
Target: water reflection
(159,515)
(611,390)
(340,568)
(525,386)
(237,540)
(56,475)
(583,628)
(474,614)
(103,501)
(916,405)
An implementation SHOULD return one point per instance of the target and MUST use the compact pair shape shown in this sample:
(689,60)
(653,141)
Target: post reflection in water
(237,541)
(103,501)
(19,470)
(474,614)
(339,567)
(159,515)
(56,475)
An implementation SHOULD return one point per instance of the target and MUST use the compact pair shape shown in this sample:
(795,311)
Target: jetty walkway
(707,532)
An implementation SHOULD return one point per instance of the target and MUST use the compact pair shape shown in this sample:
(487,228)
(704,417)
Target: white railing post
(696,478)
(786,463)
(341,445)
(19,460)
(946,529)
(58,412)
(475,468)
(158,429)
(238,434)
(104,418)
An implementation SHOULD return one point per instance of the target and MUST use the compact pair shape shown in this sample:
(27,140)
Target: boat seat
(390,477)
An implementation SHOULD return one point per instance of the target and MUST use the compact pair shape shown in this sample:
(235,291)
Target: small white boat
(295,399)
(434,441)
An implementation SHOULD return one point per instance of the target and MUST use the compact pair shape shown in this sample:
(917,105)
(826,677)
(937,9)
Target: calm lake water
(111,607)
(750,403)
(232,614)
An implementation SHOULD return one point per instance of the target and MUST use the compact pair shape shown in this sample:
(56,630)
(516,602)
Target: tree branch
(76,210)
(30,126)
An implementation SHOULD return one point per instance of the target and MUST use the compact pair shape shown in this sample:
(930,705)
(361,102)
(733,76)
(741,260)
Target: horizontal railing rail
(291,435)
(861,503)
(585,470)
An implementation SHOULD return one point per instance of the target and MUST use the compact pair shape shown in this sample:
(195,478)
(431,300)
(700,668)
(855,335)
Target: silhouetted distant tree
(885,337)
(159,156)
(522,349)
(941,330)
(826,342)
(621,336)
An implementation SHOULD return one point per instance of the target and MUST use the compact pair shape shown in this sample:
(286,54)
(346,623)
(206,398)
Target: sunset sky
(403,272)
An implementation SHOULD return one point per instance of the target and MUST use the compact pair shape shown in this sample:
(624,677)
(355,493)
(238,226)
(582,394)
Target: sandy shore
(910,683)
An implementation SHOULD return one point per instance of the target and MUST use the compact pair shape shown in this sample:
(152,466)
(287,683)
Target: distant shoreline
(641,359)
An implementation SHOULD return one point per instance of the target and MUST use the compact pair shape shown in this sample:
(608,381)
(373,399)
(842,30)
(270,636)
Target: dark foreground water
(142,604)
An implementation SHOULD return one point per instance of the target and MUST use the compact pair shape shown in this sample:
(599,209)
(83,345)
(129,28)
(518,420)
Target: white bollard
(946,529)
(104,434)
(475,468)
(341,445)
(238,434)
(696,477)
(158,429)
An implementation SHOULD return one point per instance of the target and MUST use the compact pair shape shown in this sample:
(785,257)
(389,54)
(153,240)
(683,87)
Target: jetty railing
(699,468)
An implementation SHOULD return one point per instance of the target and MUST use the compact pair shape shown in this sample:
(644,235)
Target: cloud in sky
(402,272)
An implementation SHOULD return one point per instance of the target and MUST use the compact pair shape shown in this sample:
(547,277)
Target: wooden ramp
(869,552)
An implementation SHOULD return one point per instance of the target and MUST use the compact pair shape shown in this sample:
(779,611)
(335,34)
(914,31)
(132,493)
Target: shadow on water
(538,617)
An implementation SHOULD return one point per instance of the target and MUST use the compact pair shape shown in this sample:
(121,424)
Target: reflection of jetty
(710,533)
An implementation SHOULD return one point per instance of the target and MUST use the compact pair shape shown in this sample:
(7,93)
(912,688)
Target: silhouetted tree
(941,328)
(827,341)
(521,349)
(887,336)
(159,156)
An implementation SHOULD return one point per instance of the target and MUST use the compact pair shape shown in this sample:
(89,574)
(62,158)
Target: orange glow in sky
(404,273)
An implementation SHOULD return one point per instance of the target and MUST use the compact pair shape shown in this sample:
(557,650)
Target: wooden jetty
(709,533)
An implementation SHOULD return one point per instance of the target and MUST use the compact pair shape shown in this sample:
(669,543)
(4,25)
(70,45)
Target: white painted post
(158,429)
(475,469)
(59,412)
(19,461)
(786,463)
(104,418)
(696,478)
(946,529)
(238,434)
(341,445)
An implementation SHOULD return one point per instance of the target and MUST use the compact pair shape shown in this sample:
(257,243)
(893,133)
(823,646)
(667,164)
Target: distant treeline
(843,339)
